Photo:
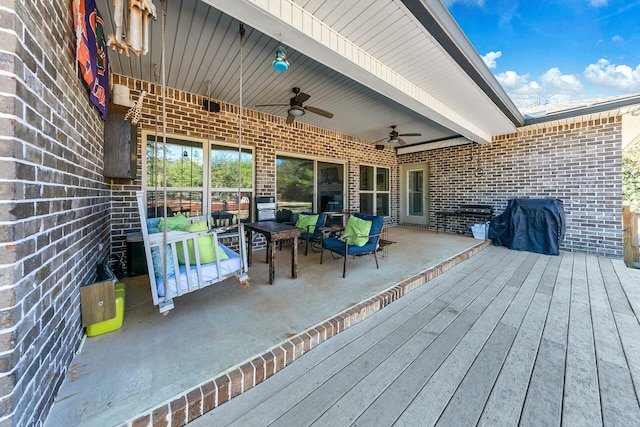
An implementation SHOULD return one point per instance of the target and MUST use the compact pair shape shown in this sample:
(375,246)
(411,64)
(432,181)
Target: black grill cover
(534,225)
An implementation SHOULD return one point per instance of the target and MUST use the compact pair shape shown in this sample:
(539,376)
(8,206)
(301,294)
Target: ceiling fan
(394,136)
(296,109)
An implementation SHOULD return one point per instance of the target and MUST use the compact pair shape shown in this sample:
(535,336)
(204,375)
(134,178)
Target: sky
(548,52)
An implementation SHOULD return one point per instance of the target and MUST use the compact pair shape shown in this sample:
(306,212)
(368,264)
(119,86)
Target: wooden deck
(505,338)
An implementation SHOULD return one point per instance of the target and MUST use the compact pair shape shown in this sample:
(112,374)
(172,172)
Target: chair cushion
(306,220)
(152,225)
(357,227)
(336,245)
(377,222)
(206,247)
(156,258)
(178,222)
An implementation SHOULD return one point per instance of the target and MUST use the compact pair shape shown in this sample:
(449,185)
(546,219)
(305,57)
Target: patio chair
(347,244)
(311,232)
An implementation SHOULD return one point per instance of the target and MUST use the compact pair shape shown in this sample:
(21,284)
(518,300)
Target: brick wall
(266,133)
(579,163)
(54,204)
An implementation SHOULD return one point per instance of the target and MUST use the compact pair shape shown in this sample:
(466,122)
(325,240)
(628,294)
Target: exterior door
(414,187)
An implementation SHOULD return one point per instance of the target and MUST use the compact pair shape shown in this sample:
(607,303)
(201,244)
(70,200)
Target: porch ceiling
(372,63)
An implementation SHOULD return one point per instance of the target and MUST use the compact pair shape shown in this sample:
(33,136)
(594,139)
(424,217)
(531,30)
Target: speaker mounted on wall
(210,106)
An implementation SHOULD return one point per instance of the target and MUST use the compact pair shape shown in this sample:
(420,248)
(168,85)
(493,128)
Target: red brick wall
(579,163)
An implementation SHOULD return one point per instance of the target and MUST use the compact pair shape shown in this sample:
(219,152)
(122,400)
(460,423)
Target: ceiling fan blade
(302,97)
(401,142)
(410,134)
(272,105)
(290,119)
(319,112)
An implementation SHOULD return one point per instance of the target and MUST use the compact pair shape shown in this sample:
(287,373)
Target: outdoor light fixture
(296,110)
(280,63)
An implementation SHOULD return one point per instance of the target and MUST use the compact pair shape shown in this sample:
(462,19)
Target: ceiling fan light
(280,63)
(393,140)
(296,111)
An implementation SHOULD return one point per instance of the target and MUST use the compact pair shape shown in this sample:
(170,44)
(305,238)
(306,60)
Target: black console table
(484,212)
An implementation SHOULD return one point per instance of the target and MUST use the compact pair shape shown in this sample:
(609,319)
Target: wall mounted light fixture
(280,63)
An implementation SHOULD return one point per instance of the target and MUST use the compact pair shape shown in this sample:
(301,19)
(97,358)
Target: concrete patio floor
(154,361)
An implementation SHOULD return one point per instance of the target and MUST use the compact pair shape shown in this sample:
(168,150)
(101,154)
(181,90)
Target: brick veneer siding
(579,163)
(268,134)
(54,204)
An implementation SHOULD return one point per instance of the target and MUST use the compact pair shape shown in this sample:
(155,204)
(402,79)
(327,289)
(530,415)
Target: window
(294,184)
(374,190)
(306,185)
(201,179)
(224,185)
(184,177)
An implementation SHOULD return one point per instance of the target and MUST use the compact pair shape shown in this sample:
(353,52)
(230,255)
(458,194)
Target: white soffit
(430,83)
(452,142)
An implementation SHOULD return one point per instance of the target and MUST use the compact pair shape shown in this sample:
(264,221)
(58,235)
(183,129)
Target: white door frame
(404,194)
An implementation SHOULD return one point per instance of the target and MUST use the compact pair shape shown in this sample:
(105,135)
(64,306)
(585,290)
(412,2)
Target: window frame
(207,189)
(375,192)
(316,159)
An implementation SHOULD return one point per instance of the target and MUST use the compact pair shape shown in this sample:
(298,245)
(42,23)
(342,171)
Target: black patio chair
(344,245)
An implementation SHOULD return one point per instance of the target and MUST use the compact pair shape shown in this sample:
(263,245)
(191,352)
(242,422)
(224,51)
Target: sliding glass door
(308,185)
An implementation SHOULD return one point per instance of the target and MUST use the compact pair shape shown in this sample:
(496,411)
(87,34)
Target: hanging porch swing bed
(188,256)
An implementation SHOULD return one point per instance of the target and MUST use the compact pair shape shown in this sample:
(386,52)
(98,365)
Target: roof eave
(434,16)
(586,111)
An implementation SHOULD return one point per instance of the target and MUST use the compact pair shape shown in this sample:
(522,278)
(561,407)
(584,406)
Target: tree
(631,177)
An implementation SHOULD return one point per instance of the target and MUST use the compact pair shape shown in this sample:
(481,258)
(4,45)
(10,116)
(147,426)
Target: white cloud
(619,77)
(553,87)
(520,89)
(598,3)
(554,81)
(490,58)
(617,38)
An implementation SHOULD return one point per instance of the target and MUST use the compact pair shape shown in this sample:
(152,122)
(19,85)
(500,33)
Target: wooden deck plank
(383,336)
(619,402)
(548,281)
(401,391)
(515,312)
(629,285)
(581,403)
(505,402)
(434,396)
(628,332)
(466,404)
(326,395)
(616,295)
(543,403)
(505,338)
(368,389)
(297,388)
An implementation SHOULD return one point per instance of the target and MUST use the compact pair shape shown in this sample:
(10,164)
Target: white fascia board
(287,22)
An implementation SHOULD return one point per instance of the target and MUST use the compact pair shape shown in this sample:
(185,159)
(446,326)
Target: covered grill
(534,225)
